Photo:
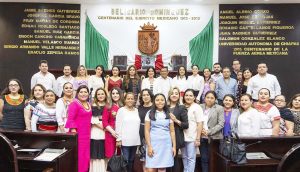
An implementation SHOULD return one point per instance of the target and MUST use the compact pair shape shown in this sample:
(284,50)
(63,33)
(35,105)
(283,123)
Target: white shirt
(146,83)
(128,127)
(266,119)
(249,123)
(48,80)
(181,83)
(95,82)
(195,115)
(96,132)
(61,111)
(163,85)
(60,83)
(196,83)
(258,82)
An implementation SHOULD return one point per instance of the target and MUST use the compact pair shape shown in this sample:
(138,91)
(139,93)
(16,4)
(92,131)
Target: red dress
(112,84)
(108,119)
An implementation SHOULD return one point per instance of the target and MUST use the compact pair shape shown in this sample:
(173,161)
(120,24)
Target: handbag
(225,147)
(238,150)
(117,163)
(232,148)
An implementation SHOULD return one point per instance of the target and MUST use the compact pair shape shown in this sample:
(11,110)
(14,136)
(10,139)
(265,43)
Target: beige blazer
(215,121)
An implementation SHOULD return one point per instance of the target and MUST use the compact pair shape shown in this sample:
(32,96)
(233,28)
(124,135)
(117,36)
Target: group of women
(124,113)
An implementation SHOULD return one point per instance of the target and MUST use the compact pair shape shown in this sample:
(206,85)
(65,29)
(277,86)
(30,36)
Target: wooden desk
(66,162)
(276,145)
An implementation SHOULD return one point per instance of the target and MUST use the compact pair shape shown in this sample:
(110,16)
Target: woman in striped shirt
(44,114)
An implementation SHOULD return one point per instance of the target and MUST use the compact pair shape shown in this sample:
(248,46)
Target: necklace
(14,102)
(85,107)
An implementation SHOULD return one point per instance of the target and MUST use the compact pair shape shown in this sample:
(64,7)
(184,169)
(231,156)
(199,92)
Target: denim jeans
(189,156)
(129,153)
(204,152)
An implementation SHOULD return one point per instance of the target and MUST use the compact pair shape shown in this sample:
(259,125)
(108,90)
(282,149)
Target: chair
(290,162)
(8,156)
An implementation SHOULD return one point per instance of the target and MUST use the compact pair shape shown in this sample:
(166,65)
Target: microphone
(91,90)
(251,144)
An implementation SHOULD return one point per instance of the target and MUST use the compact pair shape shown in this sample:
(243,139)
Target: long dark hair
(153,109)
(209,75)
(6,89)
(290,104)
(233,99)
(62,94)
(32,91)
(82,87)
(244,70)
(102,74)
(185,72)
(118,70)
(135,80)
(141,96)
(120,101)
(188,90)
(151,67)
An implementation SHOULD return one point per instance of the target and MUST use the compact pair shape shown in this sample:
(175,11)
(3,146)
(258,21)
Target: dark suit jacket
(181,114)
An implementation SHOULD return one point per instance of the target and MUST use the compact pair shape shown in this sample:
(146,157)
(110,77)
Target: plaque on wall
(148,61)
(178,61)
(120,61)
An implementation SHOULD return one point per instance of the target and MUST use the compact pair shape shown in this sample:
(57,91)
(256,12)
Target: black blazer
(181,114)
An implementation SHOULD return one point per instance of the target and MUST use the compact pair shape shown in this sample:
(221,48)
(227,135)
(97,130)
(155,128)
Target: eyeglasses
(13,85)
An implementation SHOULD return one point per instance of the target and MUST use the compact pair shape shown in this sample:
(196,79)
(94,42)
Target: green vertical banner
(96,47)
(201,47)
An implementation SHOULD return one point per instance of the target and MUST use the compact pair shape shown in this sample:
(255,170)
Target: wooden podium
(268,145)
(66,162)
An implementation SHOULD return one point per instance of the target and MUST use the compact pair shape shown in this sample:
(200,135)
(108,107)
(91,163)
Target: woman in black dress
(12,105)
(145,105)
(97,132)
(179,116)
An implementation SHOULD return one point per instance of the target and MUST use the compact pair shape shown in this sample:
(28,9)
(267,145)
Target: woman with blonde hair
(81,77)
(178,114)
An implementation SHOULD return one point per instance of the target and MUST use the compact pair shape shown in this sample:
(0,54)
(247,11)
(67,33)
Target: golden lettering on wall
(148,39)
(168,14)
(48,31)
(255,33)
